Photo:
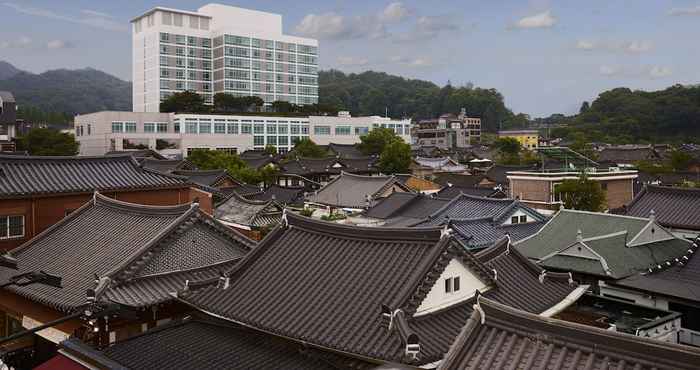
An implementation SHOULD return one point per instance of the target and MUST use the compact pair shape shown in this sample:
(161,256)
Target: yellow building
(528,139)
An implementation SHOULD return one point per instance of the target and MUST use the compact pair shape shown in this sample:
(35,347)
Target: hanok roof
(451,192)
(468,207)
(673,207)
(679,278)
(355,191)
(404,209)
(22,176)
(445,164)
(465,181)
(329,165)
(122,242)
(627,155)
(241,211)
(167,165)
(345,150)
(483,232)
(499,337)
(210,178)
(203,343)
(416,183)
(608,245)
(280,194)
(257,159)
(330,281)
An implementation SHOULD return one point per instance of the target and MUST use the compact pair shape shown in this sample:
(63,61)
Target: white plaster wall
(437,298)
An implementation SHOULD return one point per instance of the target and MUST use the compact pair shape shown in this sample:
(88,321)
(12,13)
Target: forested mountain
(625,116)
(371,93)
(7,70)
(66,91)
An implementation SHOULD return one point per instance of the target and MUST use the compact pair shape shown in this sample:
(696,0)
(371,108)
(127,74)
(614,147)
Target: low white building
(178,134)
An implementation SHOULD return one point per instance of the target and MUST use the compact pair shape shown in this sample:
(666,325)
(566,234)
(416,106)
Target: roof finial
(562,206)
(508,241)
(652,215)
(446,231)
(285,222)
(543,274)
(482,314)
(579,236)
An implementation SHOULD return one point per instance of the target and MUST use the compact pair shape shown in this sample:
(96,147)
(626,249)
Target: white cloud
(635,47)
(542,20)
(409,62)
(337,27)
(95,13)
(685,11)
(19,43)
(352,61)
(609,70)
(585,45)
(87,19)
(429,27)
(394,12)
(660,72)
(58,44)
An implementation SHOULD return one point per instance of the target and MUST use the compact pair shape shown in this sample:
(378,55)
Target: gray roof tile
(497,337)
(22,176)
(673,207)
(120,241)
(238,210)
(350,190)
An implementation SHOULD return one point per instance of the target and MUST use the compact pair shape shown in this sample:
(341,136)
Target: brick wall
(534,190)
(618,192)
(41,213)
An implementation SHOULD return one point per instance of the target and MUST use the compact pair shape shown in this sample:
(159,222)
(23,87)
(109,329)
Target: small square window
(523,219)
(514,220)
(448,285)
(455,283)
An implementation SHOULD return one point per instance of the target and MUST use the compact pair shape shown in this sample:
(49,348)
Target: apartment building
(216,49)
(449,131)
(176,135)
(528,139)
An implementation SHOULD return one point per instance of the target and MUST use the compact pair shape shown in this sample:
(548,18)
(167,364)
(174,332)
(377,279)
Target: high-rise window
(117,127)
(149,127)
(322,130)
(129,126)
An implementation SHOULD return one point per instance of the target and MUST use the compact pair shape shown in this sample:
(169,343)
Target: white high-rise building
(216,49)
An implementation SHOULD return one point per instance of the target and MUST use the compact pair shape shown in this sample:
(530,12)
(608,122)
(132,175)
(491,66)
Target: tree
(184,102)
(395,158)
(375,141)
(509,149)
(307,148)
(218,160)
(585,107)
(582,194)
(281,106)
(680,160)
(45,141)
(270,149)
(226,103)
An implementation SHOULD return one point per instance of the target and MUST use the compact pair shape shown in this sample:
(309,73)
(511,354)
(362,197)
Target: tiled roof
(207,178)
(499,337)
(238,210)
(451,192)
(673,207)
(440,163)
(22,176)
(121,241)
(460,180)
(352,191)
(627,155)
(481,233)
(679,279)
(416,183)
(345,150)
(330,281)
(166,165)
(280,194)
(329,165)
(204,343)
(468,207)
(605,236)
(258,162)
(411,205)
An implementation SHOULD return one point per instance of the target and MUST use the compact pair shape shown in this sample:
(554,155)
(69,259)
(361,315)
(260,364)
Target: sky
(544,56)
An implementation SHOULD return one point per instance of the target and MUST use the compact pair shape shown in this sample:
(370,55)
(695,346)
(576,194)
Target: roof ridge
(192,269)
(121,267)
(103,200)
(602,214)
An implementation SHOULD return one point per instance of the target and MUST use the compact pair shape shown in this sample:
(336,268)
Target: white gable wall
(652,232)
(437,298)
(519,212)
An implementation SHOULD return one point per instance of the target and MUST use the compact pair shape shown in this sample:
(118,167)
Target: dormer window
(518,219)
(452,284)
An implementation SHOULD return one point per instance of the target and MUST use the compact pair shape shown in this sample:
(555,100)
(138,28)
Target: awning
(60,362)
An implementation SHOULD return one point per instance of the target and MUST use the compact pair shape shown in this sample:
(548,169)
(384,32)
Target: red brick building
(37,192)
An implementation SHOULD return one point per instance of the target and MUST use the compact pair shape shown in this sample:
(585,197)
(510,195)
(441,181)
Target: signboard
(50,334)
